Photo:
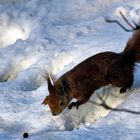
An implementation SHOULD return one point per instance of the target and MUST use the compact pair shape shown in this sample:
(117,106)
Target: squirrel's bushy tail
(132,49)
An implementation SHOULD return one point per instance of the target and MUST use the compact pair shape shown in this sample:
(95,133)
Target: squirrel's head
(58,99)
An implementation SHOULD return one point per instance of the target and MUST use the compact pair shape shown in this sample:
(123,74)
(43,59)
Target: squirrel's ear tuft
(50,82)
(50,85)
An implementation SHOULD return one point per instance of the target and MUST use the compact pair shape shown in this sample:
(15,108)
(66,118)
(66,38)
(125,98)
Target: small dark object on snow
(25,135)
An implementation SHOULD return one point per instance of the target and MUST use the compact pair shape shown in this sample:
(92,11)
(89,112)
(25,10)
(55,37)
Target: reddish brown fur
(95,72)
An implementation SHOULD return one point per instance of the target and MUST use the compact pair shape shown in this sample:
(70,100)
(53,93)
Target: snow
(39,36)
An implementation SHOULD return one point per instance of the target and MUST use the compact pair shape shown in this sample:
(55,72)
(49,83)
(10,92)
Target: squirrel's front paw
(73,104)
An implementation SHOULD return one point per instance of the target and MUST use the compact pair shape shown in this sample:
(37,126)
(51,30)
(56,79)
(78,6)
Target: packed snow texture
(39,36)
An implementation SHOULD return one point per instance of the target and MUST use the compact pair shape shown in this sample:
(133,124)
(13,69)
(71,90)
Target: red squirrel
(93,73)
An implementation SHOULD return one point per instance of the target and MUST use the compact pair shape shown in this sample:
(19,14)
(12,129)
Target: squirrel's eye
(61,103)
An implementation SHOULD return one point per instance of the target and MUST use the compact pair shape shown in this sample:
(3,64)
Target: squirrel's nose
(54,114)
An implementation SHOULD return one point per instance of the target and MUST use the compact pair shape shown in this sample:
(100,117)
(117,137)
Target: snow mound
(39,36)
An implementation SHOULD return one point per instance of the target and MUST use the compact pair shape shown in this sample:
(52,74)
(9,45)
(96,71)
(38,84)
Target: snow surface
(39,36)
